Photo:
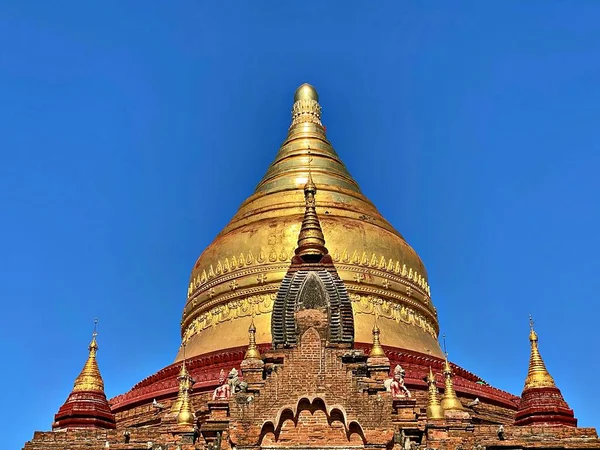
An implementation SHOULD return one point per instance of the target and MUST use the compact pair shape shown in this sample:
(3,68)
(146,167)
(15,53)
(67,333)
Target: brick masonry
(317,396)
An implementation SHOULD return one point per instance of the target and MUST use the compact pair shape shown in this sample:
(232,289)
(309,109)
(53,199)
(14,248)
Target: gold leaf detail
(381,263)
(219,269)
(390,266)
(404,271)
(365,259)
(226,267)
(345,256)
(336,256)
(250,258)
(261,257)
(282,255)
(355,258)
(242,260)
(373,262)
(234,262)
(273,255)
(203,278)
(211,273)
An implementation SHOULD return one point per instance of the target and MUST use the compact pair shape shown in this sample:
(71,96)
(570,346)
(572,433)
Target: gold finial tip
(306,92)
(93,344)
(532,334)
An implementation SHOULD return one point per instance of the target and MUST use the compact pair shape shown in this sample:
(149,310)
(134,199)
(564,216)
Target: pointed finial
(252,352)
(183,371)
(185,385)
(537,375)
(377,349)
(450,401)
(306,109)
(90,379)
(532,334)
(93,344)
(434,406)
(444,340)
(311,242)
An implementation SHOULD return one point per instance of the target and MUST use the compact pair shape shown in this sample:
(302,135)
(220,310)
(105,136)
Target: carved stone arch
(312,289)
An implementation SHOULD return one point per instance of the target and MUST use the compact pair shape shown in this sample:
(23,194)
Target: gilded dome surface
(238,274)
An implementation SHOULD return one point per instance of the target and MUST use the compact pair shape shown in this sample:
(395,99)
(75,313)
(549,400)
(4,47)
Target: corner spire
(311,241)
(542,402)
(86,405)
(186,414)
(434,406)
(185,386)
(252,351)
(90,380)
(537,375)
(450,401)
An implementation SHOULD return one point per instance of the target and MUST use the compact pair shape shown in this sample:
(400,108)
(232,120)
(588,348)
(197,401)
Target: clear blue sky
(130,132)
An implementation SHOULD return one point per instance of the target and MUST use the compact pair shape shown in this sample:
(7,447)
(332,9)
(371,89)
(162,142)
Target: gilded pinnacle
(450,401)
(252,351)
(90,380)
(434,406)
(311,241)
(306,92)
(377,349)
(537,375)
(186,414)
(306,109)
(185,385)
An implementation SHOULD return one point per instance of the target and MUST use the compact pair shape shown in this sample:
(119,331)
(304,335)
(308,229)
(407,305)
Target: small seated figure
(395,385)
(235,384)
(223,392)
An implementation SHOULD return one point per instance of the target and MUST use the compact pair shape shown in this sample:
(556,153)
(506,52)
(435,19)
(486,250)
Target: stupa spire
(89,379)
(377,350)
(185,385)
(541,401)
(311,241)
(252,352)
(450,401)
(306,108)
(185,416)
(86,405)
(434,406)
(537,375)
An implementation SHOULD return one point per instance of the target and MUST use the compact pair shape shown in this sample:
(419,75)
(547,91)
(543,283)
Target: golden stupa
(236,278)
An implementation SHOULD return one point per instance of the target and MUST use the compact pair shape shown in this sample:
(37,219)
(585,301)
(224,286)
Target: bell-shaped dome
(238,275)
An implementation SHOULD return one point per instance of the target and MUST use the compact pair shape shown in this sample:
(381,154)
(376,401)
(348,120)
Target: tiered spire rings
(434,406)
(538,375)
(252,352)
(377,349)
(450,401)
